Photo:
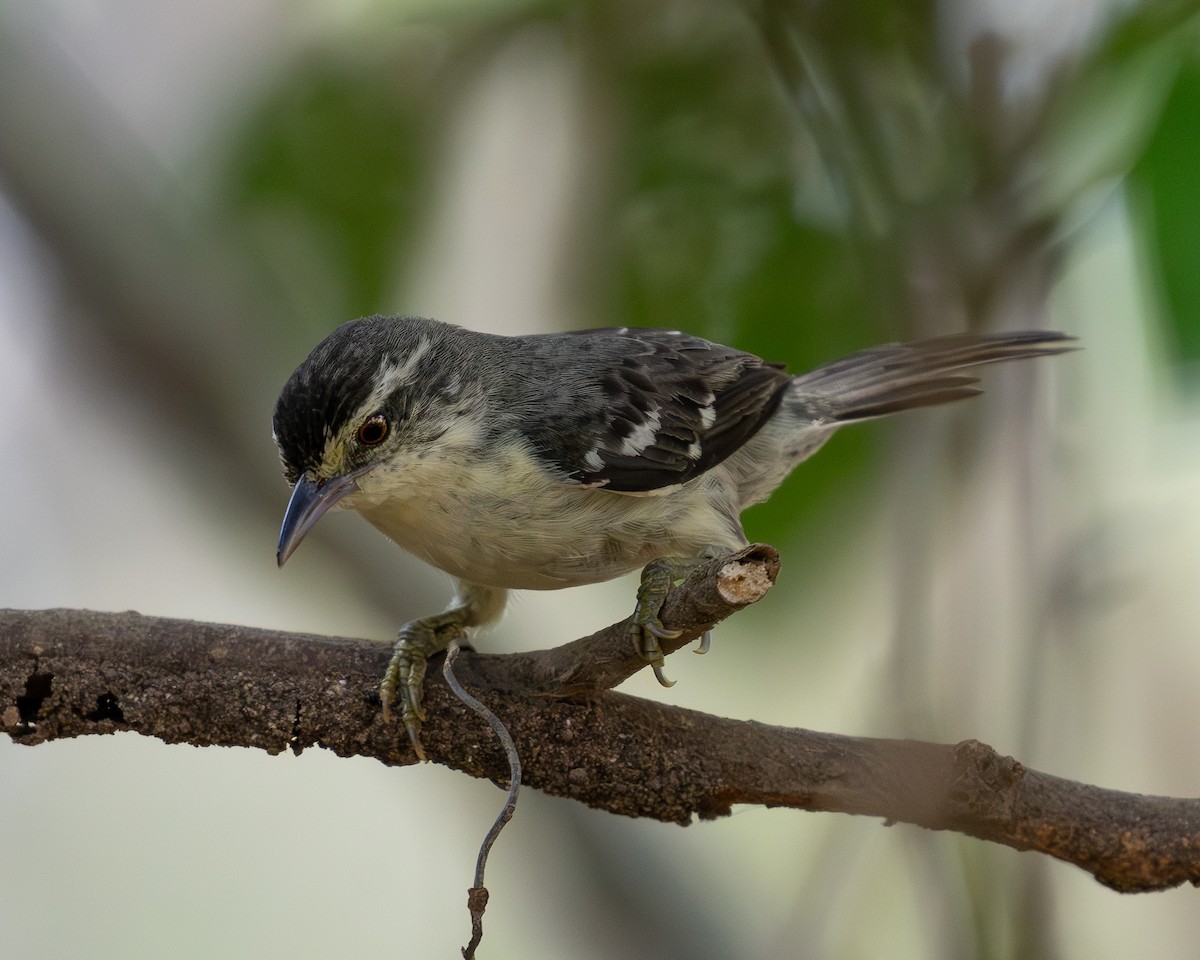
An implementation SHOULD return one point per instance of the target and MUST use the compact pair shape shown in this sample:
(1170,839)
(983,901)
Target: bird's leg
(418,640)
(647,629)
(415,643)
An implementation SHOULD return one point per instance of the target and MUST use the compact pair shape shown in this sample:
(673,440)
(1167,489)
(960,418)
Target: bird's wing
(652,409)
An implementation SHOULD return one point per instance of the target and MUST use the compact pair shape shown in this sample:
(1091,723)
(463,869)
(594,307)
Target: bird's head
(365,401)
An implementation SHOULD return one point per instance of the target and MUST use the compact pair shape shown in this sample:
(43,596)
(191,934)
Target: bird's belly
(559,535)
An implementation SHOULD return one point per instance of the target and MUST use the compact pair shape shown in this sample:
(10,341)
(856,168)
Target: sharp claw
(705,643)
(387,688)
(661,677)
(414,690)
(410,678)
(656,628)
(413,726)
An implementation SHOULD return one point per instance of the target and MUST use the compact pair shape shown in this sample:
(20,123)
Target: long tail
(924,373)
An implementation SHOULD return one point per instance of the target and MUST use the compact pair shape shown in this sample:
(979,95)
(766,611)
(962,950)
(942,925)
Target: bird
(550,460)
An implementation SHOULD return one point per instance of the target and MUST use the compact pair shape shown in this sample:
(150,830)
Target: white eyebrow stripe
(388,379)
(391,376)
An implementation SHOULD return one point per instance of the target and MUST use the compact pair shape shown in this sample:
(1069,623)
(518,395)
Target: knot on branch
(984,782)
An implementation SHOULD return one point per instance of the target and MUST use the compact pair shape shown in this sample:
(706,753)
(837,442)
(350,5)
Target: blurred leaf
(704,168)
(881,26)
(331,173)
(1104,115)
(1168,179)
(805,304)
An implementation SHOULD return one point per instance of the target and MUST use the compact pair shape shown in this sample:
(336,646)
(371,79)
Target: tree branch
(67,673)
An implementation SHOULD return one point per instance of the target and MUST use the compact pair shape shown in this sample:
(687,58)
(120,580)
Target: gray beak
(309,503)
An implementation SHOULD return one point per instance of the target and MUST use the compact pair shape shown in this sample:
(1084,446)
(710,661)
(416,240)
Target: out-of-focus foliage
(1168,174)
(329,175)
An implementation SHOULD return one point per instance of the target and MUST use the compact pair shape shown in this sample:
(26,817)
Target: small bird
(552,460)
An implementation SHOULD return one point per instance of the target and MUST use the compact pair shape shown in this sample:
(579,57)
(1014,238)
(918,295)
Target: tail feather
(922,373)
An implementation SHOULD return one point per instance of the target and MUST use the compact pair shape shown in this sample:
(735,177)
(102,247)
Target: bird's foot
(647,631)
(404,680)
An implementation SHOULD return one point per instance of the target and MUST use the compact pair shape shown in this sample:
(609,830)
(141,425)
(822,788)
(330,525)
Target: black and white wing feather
(649,409)
(643,410)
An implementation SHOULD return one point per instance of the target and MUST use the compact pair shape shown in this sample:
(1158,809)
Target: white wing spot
(708,415)
(643,435)
(694,450)
(593,461)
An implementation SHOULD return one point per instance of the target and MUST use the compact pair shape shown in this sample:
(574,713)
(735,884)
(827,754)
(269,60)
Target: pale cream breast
(510,524)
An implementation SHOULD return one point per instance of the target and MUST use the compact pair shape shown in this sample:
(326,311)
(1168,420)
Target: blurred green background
(191,195)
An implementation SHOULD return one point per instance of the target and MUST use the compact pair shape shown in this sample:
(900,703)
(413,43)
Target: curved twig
(477,896)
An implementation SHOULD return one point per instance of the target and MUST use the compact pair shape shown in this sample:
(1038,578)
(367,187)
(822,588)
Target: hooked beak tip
(310,502)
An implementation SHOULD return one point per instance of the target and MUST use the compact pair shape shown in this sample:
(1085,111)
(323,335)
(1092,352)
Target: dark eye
(373,431)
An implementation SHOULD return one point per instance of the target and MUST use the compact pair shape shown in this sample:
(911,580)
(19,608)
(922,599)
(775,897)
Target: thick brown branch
(70,673)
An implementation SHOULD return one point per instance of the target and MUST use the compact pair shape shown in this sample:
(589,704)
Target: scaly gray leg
(647,630)
(418,640)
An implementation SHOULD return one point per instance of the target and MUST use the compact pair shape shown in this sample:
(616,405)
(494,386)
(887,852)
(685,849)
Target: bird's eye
(373,431)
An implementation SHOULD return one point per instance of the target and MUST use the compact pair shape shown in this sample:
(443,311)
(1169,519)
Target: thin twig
(477,896)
